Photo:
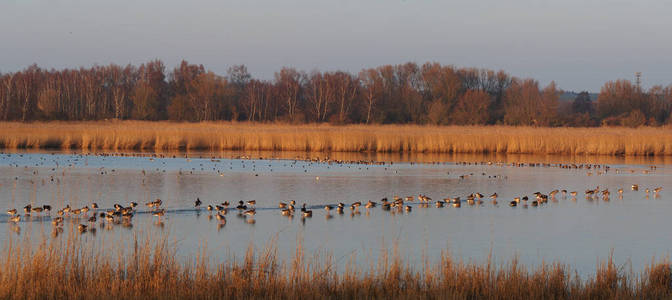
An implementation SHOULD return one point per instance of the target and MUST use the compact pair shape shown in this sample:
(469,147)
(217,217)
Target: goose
(159,213)
(58,221)
(305,212)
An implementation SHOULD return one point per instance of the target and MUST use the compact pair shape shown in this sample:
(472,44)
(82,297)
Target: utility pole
(638,79)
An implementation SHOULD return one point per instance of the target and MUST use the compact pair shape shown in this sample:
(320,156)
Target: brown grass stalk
(221,136)
(150,268)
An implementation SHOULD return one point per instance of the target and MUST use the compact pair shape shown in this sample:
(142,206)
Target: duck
(134,204)
(15,218)
(11,212)
(198,202)
(159,213)
(282,205)
(210,208)
(94,205)
(252,202)
(221,218)
(328,207)
(370,204)
(286,212)
(27,208)
(408,208)
(241,206)
(250,212)
(82,228)
(513,203)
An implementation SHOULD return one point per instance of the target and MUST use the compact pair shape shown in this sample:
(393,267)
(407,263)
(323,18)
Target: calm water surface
(577,231)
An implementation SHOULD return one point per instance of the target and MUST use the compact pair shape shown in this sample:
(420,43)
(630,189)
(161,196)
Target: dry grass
(73,269)
(219,136)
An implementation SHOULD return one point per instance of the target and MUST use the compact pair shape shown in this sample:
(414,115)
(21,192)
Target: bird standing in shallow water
(198,202)
(305,212)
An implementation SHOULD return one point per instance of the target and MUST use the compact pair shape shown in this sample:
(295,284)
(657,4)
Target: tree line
(406,94)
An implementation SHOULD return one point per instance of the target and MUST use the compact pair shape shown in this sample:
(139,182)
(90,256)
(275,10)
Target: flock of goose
(123,215)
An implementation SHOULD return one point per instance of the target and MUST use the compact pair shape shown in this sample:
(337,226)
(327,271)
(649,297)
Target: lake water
(578,232)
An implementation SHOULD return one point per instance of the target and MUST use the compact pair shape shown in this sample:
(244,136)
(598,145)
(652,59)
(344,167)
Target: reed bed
(150,269)
(220,136)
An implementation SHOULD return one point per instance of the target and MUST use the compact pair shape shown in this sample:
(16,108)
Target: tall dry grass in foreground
(161,136)
(69,269)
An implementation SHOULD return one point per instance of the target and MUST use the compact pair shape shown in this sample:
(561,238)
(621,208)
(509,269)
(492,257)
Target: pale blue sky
(579,44)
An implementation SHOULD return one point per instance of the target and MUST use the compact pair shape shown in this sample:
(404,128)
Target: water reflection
(573,226)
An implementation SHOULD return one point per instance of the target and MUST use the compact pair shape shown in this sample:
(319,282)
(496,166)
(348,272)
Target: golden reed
(220,136)
(76,268)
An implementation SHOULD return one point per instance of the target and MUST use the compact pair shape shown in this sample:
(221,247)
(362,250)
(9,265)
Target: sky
(579,44)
